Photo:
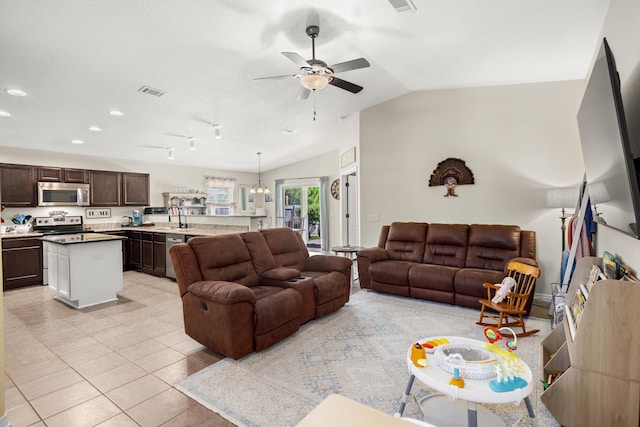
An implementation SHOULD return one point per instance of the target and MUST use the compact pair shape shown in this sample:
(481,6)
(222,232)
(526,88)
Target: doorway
(301,212)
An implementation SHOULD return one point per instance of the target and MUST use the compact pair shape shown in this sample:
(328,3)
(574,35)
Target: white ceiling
(78,59)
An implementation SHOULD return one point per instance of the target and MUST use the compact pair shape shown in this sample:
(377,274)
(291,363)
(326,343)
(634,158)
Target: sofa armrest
(374,254)
(327,263)
(227,293)
(280,274)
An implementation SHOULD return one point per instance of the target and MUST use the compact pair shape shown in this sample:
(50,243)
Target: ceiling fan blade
(303,94)
(285,76)
(343,84)
(297,59)
(354,64)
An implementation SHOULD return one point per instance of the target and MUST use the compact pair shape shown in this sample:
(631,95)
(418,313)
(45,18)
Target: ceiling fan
(315,74)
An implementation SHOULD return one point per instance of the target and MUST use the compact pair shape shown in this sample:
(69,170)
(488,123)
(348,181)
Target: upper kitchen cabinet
(135,189)
(119,188)
(105,188)
(17,184)
(51,174)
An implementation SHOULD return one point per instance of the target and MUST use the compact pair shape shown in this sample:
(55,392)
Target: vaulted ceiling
(77,60)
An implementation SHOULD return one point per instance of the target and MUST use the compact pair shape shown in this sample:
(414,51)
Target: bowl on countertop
(22,228)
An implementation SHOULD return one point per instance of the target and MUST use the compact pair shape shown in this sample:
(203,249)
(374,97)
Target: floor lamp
(598,194)
(563,198)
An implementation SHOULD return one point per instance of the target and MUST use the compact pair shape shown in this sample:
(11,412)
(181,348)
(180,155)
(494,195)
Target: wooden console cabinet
(600,383)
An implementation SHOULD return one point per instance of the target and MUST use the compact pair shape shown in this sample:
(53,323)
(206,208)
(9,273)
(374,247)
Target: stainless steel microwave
(62,194)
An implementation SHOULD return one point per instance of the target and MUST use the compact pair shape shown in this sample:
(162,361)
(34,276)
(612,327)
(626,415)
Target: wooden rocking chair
(511,310)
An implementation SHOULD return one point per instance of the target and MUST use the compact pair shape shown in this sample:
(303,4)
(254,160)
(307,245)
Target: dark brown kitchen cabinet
(52,174)
(105,188)
(154,249)
(159,254)
(135,189)
(17,185)
(135,249)
(76,176)
(21,262)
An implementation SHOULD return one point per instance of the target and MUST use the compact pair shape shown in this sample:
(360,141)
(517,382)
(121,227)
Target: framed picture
(268,198)
(98,213)
(348,157)
(250,198)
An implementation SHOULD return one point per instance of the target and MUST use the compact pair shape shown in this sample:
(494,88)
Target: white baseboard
(543,298)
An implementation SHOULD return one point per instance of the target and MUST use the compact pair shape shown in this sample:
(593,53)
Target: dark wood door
(147,252)
(135,189)
(77,176)
(105,188)
(135,249)
(21,262)
(18,185)
(159,254)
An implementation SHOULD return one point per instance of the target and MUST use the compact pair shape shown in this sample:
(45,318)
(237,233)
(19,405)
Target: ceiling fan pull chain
(313,95)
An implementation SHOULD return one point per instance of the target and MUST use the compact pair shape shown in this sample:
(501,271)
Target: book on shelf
(577,306)
(610,265)
(594,275)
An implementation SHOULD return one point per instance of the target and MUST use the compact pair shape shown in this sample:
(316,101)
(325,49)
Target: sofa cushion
(259,251)
(274,307)
(391,272)
(468,281)
(429,276)
(287,247)
(447,244)
(406,241)
(281,274)
(224,258)
(492,246)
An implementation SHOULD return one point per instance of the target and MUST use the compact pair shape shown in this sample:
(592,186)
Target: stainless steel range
(56,223)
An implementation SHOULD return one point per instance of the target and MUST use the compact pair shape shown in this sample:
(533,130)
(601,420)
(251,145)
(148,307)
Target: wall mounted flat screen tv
(606,146)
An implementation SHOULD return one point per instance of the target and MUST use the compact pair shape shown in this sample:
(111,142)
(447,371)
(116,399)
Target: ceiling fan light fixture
(314,82)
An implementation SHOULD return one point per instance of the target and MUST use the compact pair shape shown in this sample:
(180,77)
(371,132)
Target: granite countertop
(69,239)
(16,235)
(192,231)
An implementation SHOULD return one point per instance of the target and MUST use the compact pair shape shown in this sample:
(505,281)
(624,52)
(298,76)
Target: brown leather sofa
(443,262)
(245,292)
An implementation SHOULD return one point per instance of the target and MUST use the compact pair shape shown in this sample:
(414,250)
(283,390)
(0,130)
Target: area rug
(358,352)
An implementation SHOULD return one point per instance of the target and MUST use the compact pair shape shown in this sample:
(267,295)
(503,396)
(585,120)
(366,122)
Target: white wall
(622,30)
(315,167)
(517,140)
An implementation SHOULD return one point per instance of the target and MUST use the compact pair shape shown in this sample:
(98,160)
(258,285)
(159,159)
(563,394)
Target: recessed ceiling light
(16,92)
(94,129)
(288,131)
(77,141)
(116,113)
(4,114)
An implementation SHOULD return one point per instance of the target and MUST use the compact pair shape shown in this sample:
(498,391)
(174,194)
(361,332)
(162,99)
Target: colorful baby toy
(508,365)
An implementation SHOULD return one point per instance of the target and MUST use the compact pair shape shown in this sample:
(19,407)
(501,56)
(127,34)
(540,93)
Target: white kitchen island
(84,269)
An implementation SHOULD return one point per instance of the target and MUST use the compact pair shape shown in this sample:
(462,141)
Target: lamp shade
(314,81)
(562,197)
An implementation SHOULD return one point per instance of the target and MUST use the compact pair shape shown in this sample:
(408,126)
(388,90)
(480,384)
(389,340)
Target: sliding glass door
(301,212)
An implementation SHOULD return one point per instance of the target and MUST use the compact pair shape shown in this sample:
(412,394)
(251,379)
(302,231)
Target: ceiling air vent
(151,91)
(403,6)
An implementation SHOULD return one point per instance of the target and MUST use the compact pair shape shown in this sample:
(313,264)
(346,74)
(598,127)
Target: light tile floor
(113,364)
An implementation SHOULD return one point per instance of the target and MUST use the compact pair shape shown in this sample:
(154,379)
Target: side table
(349,252)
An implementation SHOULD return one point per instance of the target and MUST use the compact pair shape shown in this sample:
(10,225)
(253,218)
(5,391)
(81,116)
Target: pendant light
(260,189)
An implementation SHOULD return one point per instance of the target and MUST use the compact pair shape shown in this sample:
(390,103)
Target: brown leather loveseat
(443,262)
(245,292)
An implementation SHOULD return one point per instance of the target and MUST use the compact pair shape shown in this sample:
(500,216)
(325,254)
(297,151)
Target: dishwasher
(172,239)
